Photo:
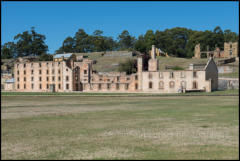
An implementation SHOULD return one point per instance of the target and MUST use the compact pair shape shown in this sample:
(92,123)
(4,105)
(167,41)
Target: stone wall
(231,49)
(228,83)
(178,78)
(225,69)
(118,54)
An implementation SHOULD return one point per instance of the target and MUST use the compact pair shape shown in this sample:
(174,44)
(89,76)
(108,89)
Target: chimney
(139,64)
(190,66)
(153,52)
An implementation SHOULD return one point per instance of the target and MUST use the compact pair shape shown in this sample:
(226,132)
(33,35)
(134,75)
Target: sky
(60,19)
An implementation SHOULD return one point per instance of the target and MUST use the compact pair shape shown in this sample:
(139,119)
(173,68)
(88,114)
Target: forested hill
(178,42)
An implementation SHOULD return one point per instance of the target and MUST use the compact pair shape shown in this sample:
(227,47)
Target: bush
(177,68)
(45,57)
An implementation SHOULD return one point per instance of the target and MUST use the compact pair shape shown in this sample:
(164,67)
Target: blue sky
(57,20)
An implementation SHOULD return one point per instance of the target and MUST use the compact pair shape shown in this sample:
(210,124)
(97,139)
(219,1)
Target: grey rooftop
(67,55)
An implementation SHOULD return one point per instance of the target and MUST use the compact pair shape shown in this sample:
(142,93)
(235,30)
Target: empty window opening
(117,86)
(136,86)
(161,85)
(126,86)
(67,86)
(150,75)
(150,85)
(171,84)
(195,74)
(194,85)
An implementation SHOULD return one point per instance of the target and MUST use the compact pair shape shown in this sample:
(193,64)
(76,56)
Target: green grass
(38,127)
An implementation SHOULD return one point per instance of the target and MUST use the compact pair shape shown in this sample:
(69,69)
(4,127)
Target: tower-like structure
(197,51)
(153,62)
(231,49)
(140,68)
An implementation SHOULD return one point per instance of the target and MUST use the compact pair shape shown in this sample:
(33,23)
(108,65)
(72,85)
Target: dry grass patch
(119,128)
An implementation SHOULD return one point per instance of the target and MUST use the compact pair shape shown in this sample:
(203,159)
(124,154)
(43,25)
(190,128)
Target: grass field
(113,94)
(78,127)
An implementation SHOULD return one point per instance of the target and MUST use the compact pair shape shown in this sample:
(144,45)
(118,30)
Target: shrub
(177,68)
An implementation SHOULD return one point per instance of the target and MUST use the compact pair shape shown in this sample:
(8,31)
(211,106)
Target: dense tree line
(28,43)
(179,42)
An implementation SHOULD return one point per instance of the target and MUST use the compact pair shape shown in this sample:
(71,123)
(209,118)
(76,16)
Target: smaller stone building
(7,82)
(230,51)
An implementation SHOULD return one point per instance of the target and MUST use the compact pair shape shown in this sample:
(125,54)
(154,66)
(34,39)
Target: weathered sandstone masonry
(67,72)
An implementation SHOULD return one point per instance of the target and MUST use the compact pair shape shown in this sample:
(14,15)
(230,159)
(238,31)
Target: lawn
(80,127)
(117,94)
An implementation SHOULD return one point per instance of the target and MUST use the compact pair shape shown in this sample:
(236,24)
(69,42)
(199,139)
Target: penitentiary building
(67,73)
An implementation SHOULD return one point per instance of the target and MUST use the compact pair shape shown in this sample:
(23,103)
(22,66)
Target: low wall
(228,83)
(118,54)
(225,69)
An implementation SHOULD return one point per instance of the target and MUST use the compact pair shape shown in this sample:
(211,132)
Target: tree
(140,45)
(98,41)
(69,45)
(149,39)
(126,41)
(8,50)
(230,36)
(218,37)
(102,43)
(30,44)
(97,33)
(45,57)
(82,41)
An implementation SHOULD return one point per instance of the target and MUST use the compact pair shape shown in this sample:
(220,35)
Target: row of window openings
(172,75)
(118,78)
(117,86)
(40,71)
(171,85)
(47,78)
(40,65)
(40,86)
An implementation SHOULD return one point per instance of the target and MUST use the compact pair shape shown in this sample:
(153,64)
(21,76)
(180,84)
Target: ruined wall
(231,49)
(8,87)
(197,51)
(228,83)
(112,82)
(179,78)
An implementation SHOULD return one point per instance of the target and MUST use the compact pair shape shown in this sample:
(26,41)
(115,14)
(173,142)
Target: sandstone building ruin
(230,51)
(67,73)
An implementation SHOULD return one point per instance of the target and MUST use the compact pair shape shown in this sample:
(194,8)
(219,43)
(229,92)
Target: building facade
(7,82)
(68,73)
(230,51)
